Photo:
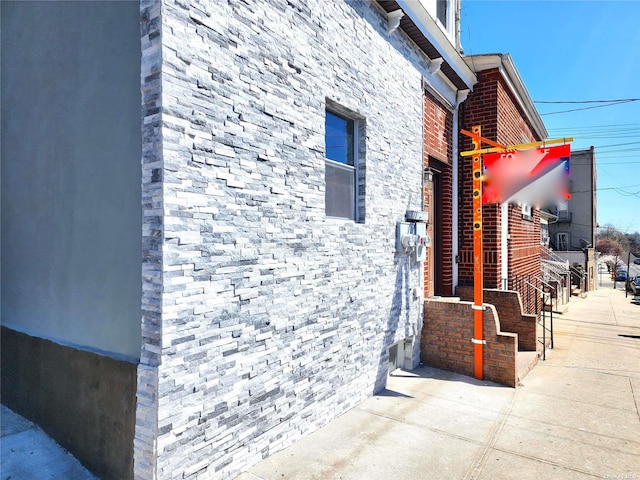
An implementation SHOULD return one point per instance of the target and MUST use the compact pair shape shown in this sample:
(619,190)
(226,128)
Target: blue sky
(581,50)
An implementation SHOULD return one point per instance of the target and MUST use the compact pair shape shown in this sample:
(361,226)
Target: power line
(616,145)
(589,101)
(598,133)
(606,188)
(612,125)
(617,163)
(621,102)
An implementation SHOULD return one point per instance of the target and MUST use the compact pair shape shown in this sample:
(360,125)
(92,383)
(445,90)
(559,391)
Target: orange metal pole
(481,140)
(478,308)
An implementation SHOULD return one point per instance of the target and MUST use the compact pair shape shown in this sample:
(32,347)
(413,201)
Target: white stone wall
(146,430)
(272,318)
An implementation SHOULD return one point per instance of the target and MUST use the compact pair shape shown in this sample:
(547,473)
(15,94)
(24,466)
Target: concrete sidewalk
(576,416)
(27,453)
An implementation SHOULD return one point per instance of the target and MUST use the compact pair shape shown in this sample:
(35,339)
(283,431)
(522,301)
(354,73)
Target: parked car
(636,260)
(621,276)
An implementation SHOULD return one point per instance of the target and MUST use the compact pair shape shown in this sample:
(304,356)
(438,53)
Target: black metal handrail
(540,297)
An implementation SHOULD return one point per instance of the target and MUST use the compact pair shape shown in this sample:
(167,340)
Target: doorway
(435,206)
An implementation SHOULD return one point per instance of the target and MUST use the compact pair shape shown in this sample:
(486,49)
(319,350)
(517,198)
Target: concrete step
(558,308)
(525,361)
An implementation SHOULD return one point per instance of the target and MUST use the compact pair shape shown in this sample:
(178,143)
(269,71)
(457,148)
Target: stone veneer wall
(263,318)
(146,432)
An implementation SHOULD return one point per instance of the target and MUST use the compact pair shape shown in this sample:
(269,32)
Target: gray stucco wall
(265,318)
(71,146)
(582,204)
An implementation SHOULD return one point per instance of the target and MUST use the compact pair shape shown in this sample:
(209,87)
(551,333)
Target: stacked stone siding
(152,231)
(263,318)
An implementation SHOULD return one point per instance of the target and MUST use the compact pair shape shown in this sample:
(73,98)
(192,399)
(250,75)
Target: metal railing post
(544,336)
(551,317)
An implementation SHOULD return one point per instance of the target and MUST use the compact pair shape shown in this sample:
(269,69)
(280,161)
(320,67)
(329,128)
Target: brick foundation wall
(446,341)
(510,314)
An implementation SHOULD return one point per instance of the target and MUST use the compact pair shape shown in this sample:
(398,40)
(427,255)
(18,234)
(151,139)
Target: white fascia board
(524,98)
(546,216)
(441,88)
(479,63)
(432,32)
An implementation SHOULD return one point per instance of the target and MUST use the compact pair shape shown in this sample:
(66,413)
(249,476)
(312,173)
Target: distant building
(575,228)
(573,235)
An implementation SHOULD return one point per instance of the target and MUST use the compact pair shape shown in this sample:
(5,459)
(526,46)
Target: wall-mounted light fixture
(428,174)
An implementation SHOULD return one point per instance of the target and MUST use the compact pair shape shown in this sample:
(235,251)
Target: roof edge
(481,62)
(432,32)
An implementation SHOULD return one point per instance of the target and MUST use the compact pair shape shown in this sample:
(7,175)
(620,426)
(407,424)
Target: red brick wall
(438,131)
(438,128)
(512,128)
(524,256)
(492,106)
(510,314)
(446,341)
(491,227)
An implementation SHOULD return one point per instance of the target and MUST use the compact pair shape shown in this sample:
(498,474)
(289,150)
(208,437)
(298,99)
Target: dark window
(442,12)
(340,166)
(339,138)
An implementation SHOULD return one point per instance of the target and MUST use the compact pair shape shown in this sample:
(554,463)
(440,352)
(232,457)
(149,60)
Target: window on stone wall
(343,166)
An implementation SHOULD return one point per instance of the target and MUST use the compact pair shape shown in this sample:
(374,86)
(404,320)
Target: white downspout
(461,96)
(504,247)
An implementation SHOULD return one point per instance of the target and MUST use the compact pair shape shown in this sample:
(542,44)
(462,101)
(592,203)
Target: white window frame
(447,25)
(335,109)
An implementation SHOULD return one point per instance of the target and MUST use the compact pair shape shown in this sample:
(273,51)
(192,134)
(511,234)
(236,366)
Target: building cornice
(434,34)
(446,67)
(508,70)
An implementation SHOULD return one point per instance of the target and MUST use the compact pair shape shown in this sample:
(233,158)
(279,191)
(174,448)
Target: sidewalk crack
(635,398)
(479,461)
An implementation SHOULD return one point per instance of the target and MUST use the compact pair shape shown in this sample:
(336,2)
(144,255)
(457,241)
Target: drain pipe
(461,96)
